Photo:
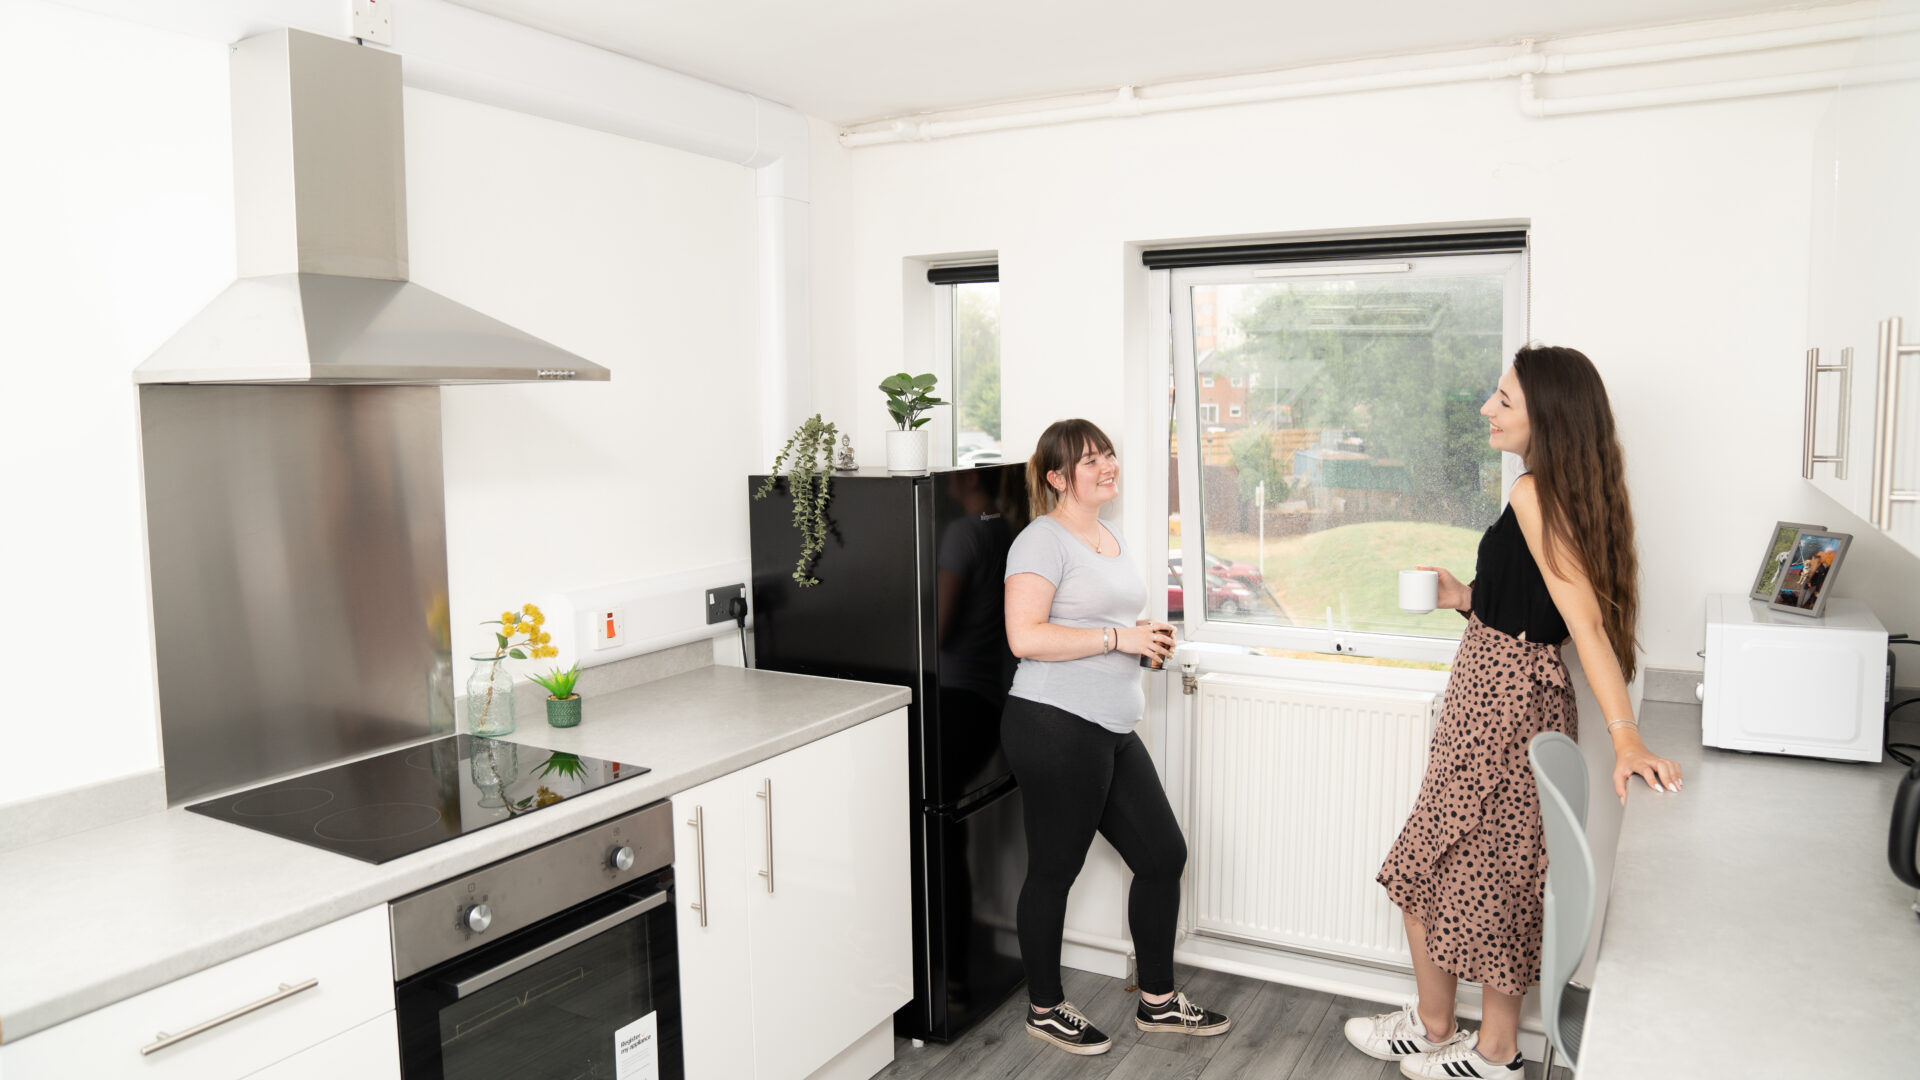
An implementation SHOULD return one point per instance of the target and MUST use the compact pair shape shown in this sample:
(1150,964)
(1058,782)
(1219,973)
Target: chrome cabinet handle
(700,862)
(766,794)
(1886,424)
(162,1040)
(1810,421)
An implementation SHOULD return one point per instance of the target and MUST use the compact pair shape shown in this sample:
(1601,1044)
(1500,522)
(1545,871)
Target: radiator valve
(1188,683)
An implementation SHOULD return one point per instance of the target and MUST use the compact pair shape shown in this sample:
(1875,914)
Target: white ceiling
(849,61)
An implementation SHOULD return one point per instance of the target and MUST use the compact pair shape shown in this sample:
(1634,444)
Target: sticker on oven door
(636,1049)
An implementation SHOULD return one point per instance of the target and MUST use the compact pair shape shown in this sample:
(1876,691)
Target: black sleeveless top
(1509,592)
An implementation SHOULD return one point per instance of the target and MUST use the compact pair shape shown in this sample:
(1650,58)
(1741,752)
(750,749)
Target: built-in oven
(558,963)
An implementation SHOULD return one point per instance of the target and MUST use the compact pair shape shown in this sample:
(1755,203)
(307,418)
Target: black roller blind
(1327,250)
(963,275)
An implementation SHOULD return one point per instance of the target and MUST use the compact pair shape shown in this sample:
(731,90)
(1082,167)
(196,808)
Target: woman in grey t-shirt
(1072,598)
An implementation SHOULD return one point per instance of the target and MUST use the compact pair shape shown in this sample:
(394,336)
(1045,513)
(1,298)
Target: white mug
(1419,591)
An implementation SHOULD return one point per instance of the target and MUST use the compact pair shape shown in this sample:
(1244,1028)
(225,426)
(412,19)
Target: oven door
(591,992)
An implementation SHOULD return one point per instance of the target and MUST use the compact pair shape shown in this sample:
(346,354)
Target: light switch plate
(373,21)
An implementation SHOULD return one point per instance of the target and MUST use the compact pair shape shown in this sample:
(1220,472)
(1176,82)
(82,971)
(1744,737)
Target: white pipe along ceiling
(1525,65)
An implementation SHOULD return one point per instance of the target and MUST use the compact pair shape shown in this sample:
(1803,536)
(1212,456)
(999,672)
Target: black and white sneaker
(1460,1059)
(1397,1036)
(1064,1027)
(1179,1015)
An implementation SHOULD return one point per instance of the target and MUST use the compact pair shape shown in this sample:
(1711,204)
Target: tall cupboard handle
(699,824)
(766,795)
(1886,425)
(162,1040)
(1811,418)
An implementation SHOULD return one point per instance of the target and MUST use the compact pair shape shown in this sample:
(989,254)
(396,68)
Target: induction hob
(382,807)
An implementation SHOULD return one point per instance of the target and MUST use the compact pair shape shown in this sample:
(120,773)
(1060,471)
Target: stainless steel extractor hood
(320,200)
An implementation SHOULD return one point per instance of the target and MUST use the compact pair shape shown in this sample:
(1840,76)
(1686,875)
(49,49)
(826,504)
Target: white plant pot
(906,451)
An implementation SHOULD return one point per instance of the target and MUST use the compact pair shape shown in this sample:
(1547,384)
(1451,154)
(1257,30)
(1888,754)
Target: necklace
(1097,537)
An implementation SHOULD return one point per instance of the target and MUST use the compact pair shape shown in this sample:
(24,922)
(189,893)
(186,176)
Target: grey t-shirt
(1088,590)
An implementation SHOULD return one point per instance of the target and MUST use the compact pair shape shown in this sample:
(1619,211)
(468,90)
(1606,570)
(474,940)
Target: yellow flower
(506,618)
(545,637)
(538,618)
(524,628)
(528,609)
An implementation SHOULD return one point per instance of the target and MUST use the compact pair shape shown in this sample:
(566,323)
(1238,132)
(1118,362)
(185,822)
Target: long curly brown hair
(1574,458)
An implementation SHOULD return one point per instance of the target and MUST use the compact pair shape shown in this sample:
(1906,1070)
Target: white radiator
(1297,791)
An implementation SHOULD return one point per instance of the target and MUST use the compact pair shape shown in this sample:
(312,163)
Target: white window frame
(1177,287)
(1233,412)
(1205,380)
(1214,419)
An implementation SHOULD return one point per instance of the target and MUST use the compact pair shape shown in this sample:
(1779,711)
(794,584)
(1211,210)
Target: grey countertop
(1754,927)
(92,918)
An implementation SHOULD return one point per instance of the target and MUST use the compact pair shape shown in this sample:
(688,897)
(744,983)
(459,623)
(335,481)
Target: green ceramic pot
(563,712)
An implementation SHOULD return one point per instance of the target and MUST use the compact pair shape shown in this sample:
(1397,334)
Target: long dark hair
(1574,458)
(1058,450)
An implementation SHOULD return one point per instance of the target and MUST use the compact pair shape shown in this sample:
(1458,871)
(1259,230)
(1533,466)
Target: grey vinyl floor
(1279,1033)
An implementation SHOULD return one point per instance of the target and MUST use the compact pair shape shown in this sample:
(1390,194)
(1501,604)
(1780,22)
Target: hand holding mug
(1151,641)
(1450,593)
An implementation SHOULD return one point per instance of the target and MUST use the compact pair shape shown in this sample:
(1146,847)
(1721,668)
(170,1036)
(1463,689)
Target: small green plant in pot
(808,457)
(907,397)
(563,705)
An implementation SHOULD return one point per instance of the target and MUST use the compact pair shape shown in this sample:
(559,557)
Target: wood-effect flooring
(1279,1033)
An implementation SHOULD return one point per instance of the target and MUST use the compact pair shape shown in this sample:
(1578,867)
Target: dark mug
(1153,662)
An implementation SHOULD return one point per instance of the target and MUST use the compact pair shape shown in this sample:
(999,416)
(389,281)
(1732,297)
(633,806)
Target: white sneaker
(1396,1036)
(1459,1059)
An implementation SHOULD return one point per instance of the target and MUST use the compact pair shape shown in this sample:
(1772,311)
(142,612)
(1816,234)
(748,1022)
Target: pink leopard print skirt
(1471,862)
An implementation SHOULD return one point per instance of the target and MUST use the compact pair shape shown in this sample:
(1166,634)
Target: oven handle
(475,983)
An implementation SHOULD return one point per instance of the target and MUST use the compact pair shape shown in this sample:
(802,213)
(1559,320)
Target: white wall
(1670,245)
(117,183)
(636,257)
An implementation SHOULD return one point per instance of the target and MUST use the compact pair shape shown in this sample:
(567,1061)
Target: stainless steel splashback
(297,544)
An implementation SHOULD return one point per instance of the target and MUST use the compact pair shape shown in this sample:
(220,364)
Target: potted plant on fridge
(808,457)
(907,397)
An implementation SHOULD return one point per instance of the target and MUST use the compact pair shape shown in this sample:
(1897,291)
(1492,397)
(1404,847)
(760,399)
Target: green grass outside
(1355,570)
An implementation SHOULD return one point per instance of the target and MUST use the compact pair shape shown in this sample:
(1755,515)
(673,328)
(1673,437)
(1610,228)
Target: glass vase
(490,697)
(495,767)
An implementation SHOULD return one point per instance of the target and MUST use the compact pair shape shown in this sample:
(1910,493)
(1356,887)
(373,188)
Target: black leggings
(1078,778)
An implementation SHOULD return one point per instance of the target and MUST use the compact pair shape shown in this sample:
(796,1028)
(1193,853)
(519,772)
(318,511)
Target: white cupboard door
(368,1052)
(252,1011)
(715,1017)
(832,940)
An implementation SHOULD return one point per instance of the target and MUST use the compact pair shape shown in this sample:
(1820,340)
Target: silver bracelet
(1106,640)
(1611,724)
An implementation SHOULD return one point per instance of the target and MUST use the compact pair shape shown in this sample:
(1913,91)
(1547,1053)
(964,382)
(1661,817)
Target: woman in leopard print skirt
(1469,869)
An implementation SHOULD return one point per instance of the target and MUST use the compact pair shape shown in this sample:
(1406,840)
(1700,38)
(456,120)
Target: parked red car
(1245,573)
(1225,596)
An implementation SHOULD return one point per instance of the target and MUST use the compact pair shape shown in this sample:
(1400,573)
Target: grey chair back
(1560,773)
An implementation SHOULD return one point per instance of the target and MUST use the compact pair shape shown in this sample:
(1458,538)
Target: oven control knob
(621,859)
(477,918)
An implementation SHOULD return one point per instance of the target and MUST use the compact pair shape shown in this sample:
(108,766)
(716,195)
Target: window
(970,341)
(1235,381)
(1368,454)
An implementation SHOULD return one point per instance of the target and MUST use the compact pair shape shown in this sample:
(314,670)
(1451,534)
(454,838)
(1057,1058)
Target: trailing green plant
(907,397)
(559,683)
(808,457)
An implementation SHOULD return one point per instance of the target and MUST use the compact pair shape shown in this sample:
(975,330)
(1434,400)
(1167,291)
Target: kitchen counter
(1754,927)
(92,918)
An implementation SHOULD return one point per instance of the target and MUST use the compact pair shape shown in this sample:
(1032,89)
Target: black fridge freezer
(911,593)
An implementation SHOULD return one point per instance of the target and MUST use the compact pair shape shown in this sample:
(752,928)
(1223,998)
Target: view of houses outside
(1340,442)
(976,373)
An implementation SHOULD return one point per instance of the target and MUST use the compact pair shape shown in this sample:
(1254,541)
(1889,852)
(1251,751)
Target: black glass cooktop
(395,804)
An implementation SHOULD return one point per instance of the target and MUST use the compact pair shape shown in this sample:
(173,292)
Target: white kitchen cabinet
(807,943)
(1865,269)
(349,963)
(368,1052)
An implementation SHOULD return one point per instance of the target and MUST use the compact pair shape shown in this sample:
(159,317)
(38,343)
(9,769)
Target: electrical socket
(717,600)
(609,626)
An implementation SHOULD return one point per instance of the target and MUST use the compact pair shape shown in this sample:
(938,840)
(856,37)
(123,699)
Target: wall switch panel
(718,599)
(609,627)
(373,21)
